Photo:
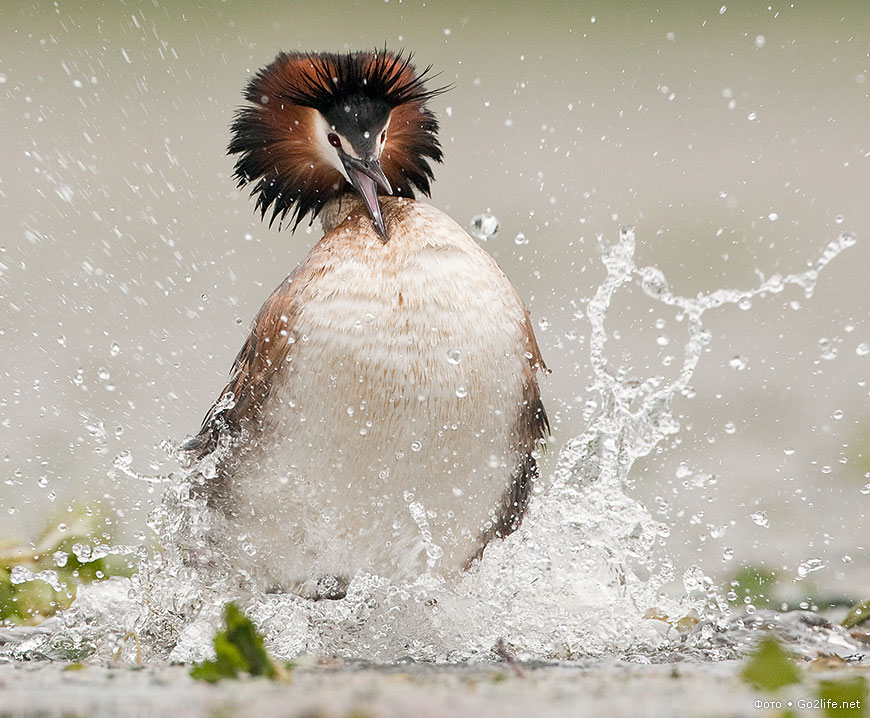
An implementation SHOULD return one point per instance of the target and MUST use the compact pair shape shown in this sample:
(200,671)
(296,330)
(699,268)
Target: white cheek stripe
(383,144)
(327,152)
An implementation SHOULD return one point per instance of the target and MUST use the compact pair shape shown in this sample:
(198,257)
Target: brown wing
(252,377)
(531,431)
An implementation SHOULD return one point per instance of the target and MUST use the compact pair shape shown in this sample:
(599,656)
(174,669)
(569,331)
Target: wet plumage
(384,413)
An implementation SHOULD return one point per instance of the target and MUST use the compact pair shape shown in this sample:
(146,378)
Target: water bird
(384,413)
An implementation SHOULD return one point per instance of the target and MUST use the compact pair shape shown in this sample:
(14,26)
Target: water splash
(584,575)
(484,226)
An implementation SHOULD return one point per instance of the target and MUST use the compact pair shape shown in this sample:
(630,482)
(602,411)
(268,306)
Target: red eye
(333,140)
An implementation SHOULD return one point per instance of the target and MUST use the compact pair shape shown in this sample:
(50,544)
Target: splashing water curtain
(578,578)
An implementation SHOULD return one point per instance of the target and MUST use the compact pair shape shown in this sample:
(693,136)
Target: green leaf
(242,634)
(859,613)
(770,667)
(845,698)
(7,593)
(239,648)
(208,671)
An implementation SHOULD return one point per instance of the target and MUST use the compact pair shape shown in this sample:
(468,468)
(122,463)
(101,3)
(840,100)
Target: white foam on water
(584,575)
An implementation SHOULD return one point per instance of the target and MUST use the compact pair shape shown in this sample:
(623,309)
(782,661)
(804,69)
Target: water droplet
(484,226)
(862,349)
(738,363)
(722,9)
(653,281)
(461,391)
(727,553)
(416,445)
(760,41)
(810,565)
(839,219)
(730,428)
(760,519)
(773,216)
(865,489)
(114,349)
(454,356)
(788,451)
(827,348)
(520,239)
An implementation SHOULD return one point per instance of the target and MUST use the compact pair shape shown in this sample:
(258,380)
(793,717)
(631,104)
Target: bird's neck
(336,210)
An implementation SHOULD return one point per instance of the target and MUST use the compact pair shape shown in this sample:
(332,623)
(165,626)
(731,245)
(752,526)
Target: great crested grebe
(383,414)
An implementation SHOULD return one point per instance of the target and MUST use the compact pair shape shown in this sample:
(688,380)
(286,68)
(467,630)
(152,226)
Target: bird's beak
(366,176)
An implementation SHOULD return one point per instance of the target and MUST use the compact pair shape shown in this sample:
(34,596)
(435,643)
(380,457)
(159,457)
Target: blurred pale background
(734,136)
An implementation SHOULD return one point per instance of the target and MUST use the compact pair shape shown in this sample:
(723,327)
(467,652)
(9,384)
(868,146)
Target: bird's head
(318,125)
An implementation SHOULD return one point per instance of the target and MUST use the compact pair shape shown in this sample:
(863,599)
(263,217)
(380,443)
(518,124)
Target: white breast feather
(380,452)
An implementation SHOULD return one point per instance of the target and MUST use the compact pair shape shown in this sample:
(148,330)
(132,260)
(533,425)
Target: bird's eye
(333,140)
(383,136)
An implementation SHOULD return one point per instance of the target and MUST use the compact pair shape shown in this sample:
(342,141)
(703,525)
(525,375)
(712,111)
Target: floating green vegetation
(238,650)
(37,580)
(770,668)
(845,698)
(857,615)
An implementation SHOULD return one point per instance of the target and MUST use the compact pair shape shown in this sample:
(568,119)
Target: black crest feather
(379,76)
(274,134)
